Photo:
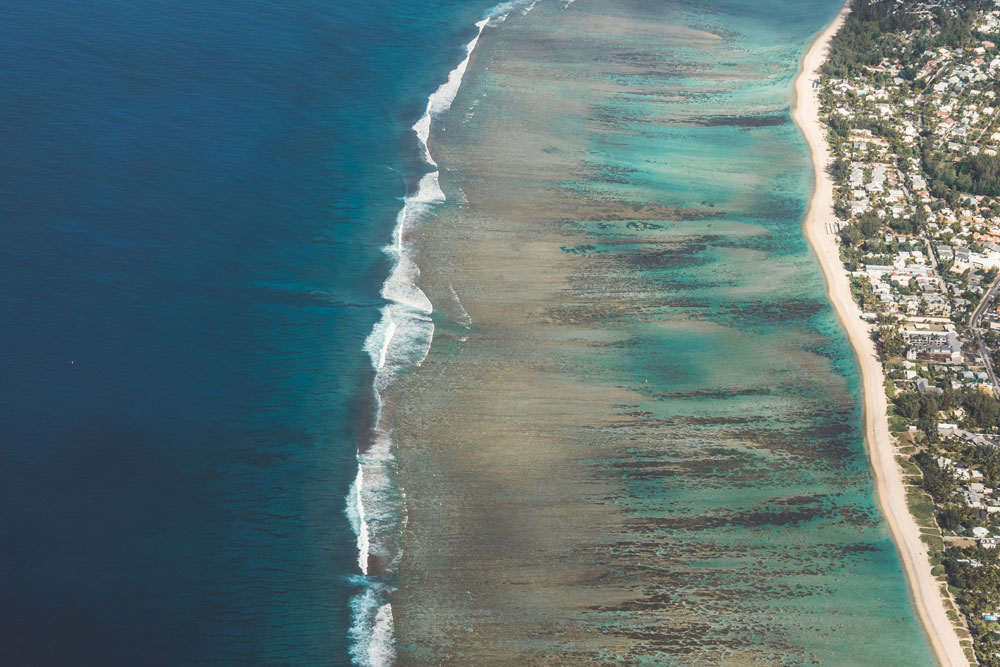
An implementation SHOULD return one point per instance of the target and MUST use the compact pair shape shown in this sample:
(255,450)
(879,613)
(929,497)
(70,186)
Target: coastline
(399,341)
(584,475)
(890,490)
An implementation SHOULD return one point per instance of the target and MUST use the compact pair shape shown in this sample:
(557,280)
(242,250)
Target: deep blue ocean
(193,203)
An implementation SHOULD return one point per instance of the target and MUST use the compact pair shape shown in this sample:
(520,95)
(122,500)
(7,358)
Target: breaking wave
(400,339)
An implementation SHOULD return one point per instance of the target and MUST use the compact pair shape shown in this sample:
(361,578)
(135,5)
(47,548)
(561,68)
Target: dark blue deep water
(193,200)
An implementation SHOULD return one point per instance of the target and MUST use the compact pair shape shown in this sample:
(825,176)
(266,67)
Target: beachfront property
(914,132)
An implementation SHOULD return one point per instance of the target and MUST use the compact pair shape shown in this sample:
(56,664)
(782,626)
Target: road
(985,128)
(934,263)
(984,303)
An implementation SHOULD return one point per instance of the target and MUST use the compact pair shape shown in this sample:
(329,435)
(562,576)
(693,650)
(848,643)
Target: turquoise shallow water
(652,145)
(197,200)
(755,469)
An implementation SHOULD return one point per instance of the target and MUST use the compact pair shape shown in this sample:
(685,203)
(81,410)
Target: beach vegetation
(953,517)
(897,424)
(937,481)
(840,168)
(869,225)
(974,579)
(976,174)
(861,288)
(891,342)
(850,235)
(861,42)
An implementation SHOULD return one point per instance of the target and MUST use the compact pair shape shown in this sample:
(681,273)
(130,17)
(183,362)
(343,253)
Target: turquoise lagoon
(625,200)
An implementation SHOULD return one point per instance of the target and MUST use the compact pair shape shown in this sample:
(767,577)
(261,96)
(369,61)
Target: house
(990,260)
(874,271)
(946,430)
(924,387)
(974,501)
(934,342)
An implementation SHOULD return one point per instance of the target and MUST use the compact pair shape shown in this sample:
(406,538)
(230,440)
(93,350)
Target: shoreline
(554,484)
(890,491)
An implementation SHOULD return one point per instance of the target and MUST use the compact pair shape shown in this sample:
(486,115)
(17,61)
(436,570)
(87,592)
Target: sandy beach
(888,475)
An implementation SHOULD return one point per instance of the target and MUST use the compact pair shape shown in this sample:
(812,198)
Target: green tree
(937,482)
(891,342)
(840,169)
(869,225)
(908,405)
(981,408)
(851,235)
(950,518)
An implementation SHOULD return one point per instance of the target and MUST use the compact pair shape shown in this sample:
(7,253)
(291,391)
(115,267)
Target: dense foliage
(936,481)
(977,174)
(982,410)
(861,42)
(975,574)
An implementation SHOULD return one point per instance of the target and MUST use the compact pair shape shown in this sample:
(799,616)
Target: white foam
(441,99)
(371,630)
(385,343)
(377,501)
(463,315)
(400,339)
(500,12)
(381,652)
(356,515)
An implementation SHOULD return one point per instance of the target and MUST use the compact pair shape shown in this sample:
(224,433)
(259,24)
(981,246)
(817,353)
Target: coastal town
(909,98)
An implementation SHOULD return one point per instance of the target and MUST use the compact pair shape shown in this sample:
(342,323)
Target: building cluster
(939,254)
(915,135)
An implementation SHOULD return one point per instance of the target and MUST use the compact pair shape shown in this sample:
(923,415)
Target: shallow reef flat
(647,443)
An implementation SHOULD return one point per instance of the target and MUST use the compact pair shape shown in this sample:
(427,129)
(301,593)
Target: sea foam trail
(400,339)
